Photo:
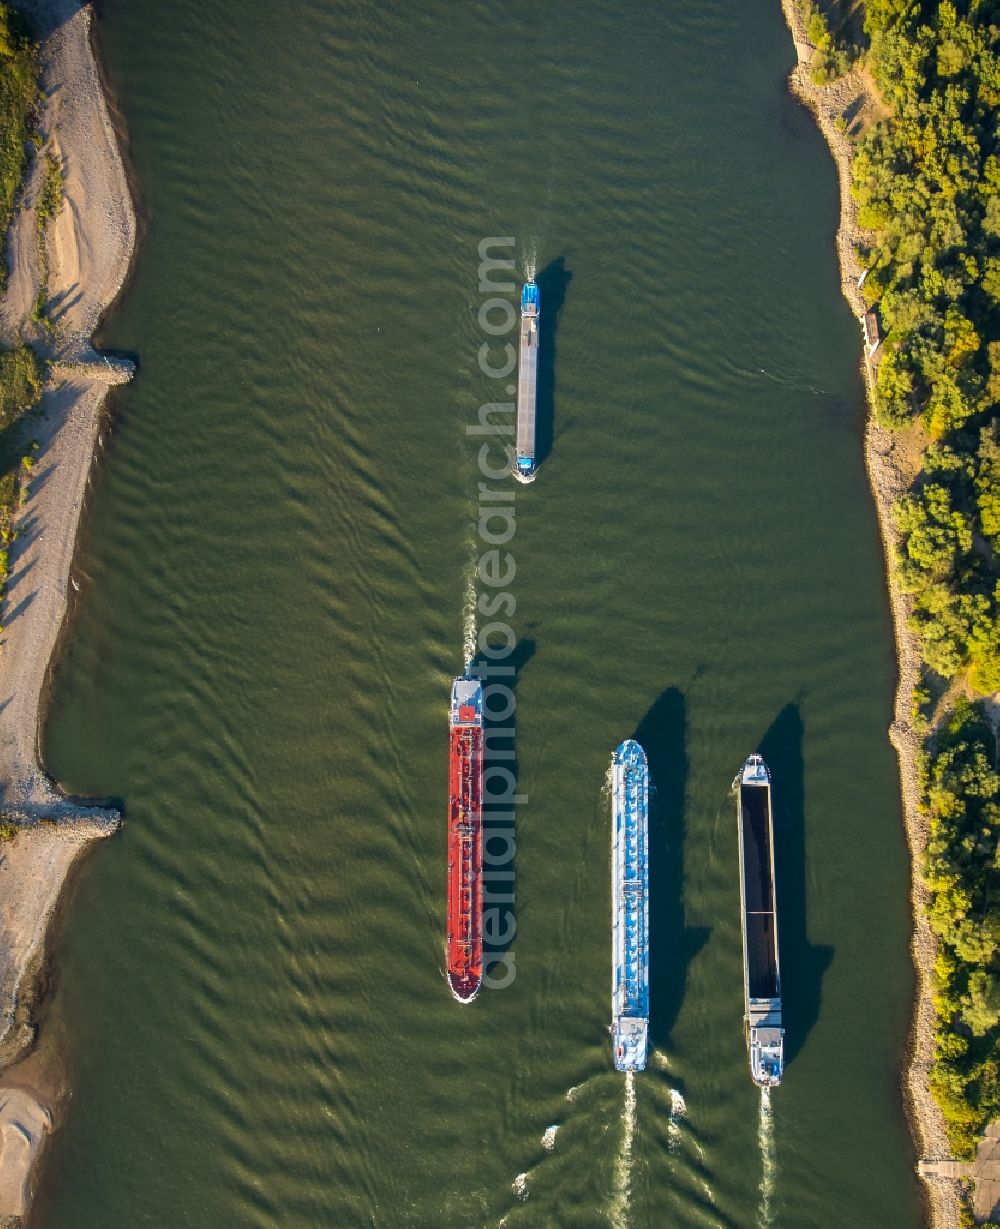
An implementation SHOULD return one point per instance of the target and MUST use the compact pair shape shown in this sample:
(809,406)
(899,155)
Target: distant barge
(630,906)
(527,381)
(465,839)
(761,970)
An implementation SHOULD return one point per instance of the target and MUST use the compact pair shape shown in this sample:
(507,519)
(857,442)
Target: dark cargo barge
(761,968)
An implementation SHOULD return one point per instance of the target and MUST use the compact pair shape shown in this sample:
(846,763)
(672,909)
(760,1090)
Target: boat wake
(784,379)
(623,1162)
(531,260)
(469,634)
(678,1112)
(768,1159)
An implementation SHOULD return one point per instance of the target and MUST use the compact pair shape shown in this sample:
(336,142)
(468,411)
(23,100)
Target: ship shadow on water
(502,753)
(802,963)
(553,282)
(672,944)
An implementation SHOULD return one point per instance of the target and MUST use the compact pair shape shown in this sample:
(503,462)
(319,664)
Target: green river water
(275,566)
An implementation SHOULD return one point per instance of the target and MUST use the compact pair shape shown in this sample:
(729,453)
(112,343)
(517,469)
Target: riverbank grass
(19,96)
(20,368)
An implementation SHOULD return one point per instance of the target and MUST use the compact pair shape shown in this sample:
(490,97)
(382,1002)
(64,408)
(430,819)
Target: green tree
(981,1002)
(935,533)
(987,484)
(20,383)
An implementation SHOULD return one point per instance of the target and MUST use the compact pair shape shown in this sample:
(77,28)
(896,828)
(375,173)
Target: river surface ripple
(275,572)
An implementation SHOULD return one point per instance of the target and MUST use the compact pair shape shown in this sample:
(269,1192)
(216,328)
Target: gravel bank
(89,246)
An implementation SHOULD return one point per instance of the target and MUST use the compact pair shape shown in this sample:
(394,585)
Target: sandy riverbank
(89,247)
(892,460)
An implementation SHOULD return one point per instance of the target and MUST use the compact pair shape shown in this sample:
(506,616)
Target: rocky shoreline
(88,249)
(892,460)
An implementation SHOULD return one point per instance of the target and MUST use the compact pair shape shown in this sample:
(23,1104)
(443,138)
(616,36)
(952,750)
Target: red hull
(465,861)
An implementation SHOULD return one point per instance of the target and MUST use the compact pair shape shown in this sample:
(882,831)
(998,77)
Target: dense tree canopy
(960,790)
(927,183)
(926,179)
(18,98)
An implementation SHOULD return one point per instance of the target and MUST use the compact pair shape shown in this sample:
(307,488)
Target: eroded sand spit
(90,246)
(891,468)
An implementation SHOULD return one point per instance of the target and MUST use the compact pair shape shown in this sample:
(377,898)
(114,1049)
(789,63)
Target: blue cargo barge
(630,906)
(527,382)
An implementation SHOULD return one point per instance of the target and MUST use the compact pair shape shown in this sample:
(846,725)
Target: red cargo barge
(465,840)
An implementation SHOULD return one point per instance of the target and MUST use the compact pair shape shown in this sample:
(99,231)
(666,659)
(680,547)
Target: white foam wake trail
(678,1112)
(768,1159)
(469,633)
(531,259)
(623,1162)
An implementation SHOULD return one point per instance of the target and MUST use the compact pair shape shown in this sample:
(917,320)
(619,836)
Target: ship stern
(631,1043)
(767,1056)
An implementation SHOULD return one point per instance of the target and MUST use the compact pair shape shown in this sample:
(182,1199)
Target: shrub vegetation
(20,369)
(20,383)
(829,32)
(18,101)
(959,789)
(927,183)
(926,179)
(50,198)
